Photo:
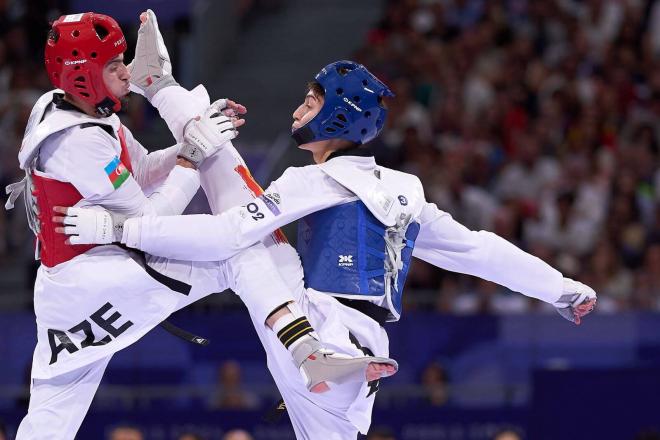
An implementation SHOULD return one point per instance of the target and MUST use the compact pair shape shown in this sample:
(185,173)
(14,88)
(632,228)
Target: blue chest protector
(346,250)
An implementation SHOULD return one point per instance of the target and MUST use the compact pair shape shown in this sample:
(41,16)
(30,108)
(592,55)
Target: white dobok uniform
(387,199)
(103,300)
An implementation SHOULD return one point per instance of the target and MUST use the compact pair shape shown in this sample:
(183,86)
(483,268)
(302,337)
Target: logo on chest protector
(345,261)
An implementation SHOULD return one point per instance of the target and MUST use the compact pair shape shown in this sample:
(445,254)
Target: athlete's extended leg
(227,183)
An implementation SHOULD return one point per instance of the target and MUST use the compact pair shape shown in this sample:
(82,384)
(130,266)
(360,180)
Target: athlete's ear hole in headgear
(74,53)
(367,114)
(340,91)
(101,31)
(53,36)
(342,71)
(93,54)
(341,117)
(75,33)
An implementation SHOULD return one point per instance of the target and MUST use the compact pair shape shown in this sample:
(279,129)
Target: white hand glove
(92,226)
(576,301)
(202,137)
(151,69)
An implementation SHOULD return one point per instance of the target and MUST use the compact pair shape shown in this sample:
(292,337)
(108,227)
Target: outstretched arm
(297,193)
(447,244)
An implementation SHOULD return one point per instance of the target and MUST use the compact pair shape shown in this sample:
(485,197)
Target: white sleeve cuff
(131,235)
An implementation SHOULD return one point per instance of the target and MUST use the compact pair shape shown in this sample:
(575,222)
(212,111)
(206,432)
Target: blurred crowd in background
(538,121)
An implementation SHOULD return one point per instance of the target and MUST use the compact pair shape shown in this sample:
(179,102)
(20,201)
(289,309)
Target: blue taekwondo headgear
(352,107)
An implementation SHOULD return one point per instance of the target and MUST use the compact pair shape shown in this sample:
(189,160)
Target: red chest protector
(49,193)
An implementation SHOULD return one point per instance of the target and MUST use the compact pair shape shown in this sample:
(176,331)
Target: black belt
(377,313)
(176,286)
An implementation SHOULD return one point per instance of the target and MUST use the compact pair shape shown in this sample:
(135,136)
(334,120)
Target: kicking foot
(319,365)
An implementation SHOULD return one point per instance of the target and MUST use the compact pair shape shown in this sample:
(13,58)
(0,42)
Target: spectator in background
(229,393)
(647,282)
(435,382)
(190,436)
(237,434)
(381,433)
(647,434)
(544,118)
(507,434)
(126,432)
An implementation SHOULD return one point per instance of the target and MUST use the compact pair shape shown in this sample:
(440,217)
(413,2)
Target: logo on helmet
(349,102)
(119,42)
(71,63)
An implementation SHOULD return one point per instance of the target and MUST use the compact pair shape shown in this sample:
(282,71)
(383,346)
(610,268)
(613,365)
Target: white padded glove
(203,136)
(92,226)
(577,300)
(151,69)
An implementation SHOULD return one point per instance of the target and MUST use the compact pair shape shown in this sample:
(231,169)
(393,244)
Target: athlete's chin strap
(303,135)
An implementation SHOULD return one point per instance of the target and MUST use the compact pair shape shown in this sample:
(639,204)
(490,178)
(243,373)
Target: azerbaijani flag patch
(117,172)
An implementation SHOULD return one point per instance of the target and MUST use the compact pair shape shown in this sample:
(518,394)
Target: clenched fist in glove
(89,225)
(577,300)
(205,135)
(151,69)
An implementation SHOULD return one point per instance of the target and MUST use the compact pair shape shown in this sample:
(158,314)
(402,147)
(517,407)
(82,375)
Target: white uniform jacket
(442,241)
(102,300)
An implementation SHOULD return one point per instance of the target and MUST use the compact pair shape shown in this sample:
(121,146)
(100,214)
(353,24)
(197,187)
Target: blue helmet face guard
(352,108)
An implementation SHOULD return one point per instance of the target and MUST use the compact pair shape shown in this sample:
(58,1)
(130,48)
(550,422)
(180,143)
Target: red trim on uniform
(125,157)
(252,184)
(256,191)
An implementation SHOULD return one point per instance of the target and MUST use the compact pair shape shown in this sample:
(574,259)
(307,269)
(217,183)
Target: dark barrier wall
(595,404)
(547,378)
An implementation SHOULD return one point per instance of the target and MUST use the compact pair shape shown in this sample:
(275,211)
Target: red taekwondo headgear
(77,50)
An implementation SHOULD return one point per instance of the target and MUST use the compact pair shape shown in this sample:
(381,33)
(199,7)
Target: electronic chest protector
(347,252)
